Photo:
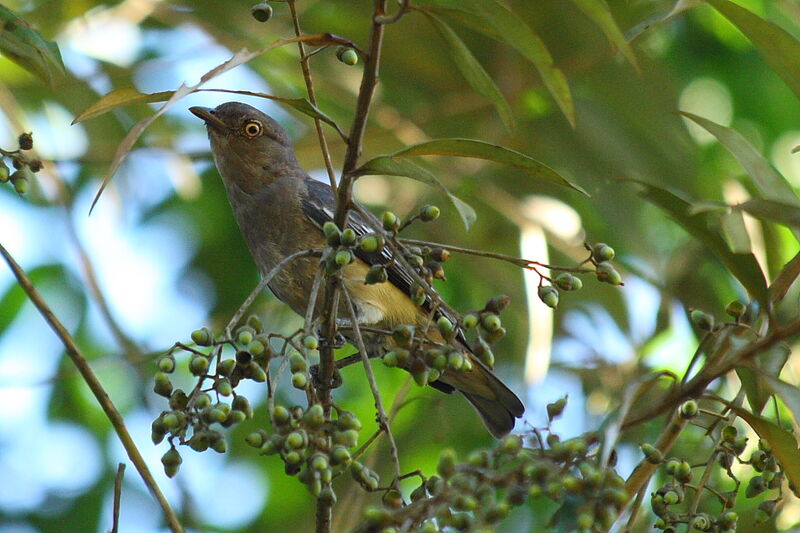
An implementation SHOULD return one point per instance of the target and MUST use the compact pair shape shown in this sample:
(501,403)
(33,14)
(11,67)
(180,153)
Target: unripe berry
(171,461)
(702,320)
(348,237)
(202,337)
(262,12)
(470,320)
(311,342)
(299,380)
(447,463)
(429,213)
(372,243)
(198,365)
(343,257)
(298,363)
(166,365)
(162,385)
(568,282)
(19,180)
(376,274)
(445,327)
(347,55)
(332,233)
(548,295)
(4,172)
(689,409)
(602,252)
(390,221)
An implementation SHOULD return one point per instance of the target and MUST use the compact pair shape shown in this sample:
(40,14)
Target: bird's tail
(496,404)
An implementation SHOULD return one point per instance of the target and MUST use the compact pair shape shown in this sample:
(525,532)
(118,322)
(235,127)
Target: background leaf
(599,12)
(473,72)
(26,47)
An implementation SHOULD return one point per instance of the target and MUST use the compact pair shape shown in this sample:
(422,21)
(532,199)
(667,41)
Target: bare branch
(96,387)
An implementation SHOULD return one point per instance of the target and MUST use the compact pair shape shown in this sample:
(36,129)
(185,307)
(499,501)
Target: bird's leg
(339,364)
(337,342)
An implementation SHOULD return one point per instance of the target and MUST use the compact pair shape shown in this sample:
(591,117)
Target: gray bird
(281,210)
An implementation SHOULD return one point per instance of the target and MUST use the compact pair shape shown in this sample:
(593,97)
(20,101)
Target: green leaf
(789,394)
(659,18)
(767,364)
(783,443)
(778,48)
(599,12)
(120,97)
(780,212)
(14,299)
(786,277)
(735,232)
(473,72)
(26,47)
(490,152)
(514,32)
(743,266)
(391,166)
(768,180)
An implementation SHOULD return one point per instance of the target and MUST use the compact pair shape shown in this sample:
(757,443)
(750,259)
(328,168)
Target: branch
(312,97)
(382,418)
(96,387)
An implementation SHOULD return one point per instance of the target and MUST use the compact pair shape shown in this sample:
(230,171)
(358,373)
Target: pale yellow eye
(253,128)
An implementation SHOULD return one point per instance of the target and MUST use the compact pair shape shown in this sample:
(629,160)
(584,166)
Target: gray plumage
(280,210)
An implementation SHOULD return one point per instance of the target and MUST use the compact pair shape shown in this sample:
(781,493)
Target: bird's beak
(205,114)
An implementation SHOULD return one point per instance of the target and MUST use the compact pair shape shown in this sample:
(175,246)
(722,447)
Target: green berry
(548,295)
(332,233)
(281,415)
(689,409)
(555,409)
(262,12)
(602,252)
(166,365)
(376,274)
(4,172)
(371,243)
(223,386)
(256,439)
(455,361)
(347,55)
(608,274)
(470,320)
(20,181)
(314,416)
(390,221)
(736,309)
(198,365)
(652,454)
(162,385)
(447,463)
(702,320)
(390,359)
(491,322)
(202,337)
(445,327)
(245,337)
(171,461)
(429,213)
(568,282)
(311,342)
(348,237)
(298,363)
(299,380)
(225,367)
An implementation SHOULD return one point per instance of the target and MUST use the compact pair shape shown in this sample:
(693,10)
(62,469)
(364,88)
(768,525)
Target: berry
(262,12)
(429,213)
(25,141)
(347,55)
(390,221)
(602,252)
(548,295)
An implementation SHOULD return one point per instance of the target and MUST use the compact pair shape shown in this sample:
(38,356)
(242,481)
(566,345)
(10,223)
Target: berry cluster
(478,493)
(600,256)
(24,166)
(192,418)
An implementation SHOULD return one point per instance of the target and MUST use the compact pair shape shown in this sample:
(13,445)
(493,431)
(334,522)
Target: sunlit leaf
(778,47)
(600,13)
(120,97)
(650,22)
(391,166)
(26,47)
(735,232)
(768,180)
(473,72)
(783,213)
(790,394)
(490,152)
(514,32)
(743,266)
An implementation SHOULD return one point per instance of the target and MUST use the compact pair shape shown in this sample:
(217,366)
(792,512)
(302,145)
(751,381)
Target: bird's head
(249,147)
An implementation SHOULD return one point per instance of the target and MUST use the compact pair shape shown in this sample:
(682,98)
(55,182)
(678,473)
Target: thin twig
(642,473)
(117,497)
(382,418)
(391,19)
(96,387)
(312,97)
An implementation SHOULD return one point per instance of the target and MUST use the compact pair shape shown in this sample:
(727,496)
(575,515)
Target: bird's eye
(253,129)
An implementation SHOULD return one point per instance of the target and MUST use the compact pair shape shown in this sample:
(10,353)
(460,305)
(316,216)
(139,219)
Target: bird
(281,210)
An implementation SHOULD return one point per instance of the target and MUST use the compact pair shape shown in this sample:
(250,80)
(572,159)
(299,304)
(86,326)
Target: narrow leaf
(650,22)
(120,97)
(778,47)
(754,375)
(473,72)
(736,233)
(26,47)
(780,212)
(599,12)
(785,279)
(783,443)
(500,23)
(789,394)
(743,266)
(239,58)
(391,166)
(490,152)
(768,180)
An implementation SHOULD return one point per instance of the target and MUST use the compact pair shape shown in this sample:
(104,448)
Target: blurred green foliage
(626,129)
